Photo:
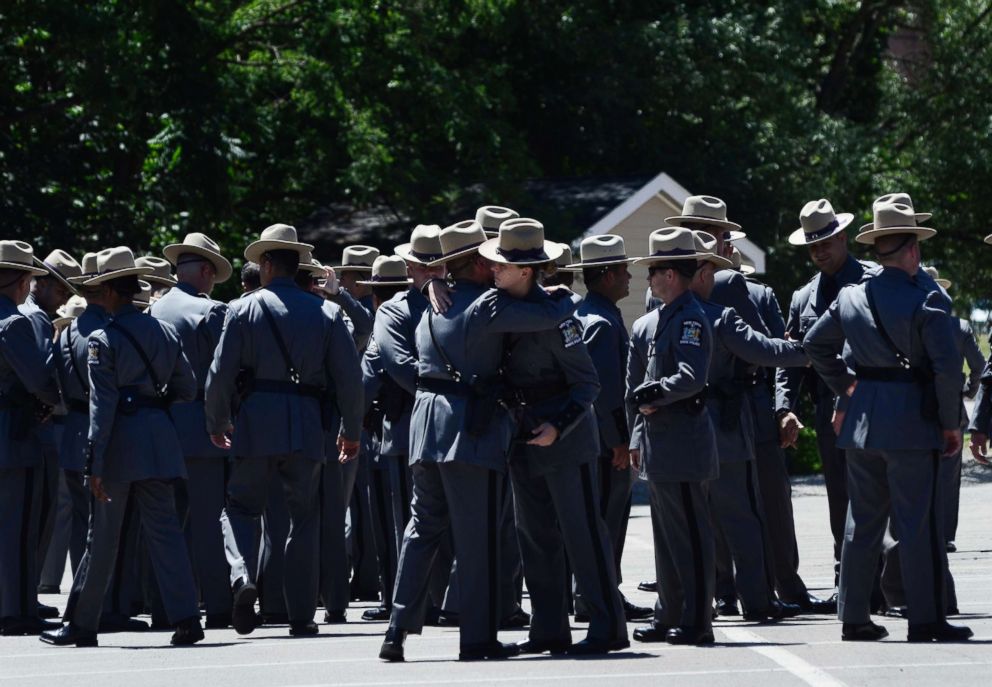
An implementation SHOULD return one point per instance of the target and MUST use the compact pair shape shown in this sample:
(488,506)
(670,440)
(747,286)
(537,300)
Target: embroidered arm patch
(692,333)
(571,332)
(93,353)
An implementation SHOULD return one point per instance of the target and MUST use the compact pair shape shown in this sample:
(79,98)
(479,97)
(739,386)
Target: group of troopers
(494,433)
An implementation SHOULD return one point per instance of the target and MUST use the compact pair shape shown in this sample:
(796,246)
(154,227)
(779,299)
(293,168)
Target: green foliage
(136,122)
(804,459)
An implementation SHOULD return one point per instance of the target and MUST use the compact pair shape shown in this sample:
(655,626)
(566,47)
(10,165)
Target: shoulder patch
(571,332)
(372,348)
(93,353)
(692,333)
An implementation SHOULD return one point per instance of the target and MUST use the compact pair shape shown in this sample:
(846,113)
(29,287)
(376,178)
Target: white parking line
(807,672)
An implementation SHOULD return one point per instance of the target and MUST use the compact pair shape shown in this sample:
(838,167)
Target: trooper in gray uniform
(898,412)
(550,385)
(282,351)
(26,387)
(603,262)
(459,436)
(199,320)
(137,369)
(672,441)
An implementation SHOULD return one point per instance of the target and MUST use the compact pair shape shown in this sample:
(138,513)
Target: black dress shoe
(303,628)
(47,612)
(727,607)
(647,586)
(863,632)
(188,632)
(20,627)
(218,621)
(392,646)
(941,631)
(487,652)
(111,622)
(581,618)
(634,612)
(816,605)
(556,647)
(243,613)
(597,647)
(335,617)
(519,618)
(772,613)
(689,635)
(49,589)
(950,547)
(651,633)
(380,613)
(894,612)
(67,635)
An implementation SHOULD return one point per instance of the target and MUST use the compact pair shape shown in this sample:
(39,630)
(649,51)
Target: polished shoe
(380,613)
(647,586)
(581,617)
(303,628)
(392,645)
(188,632)
(519,618)
(243,614)
(47,612)
(335,617)
(111,622)
(555,647)
(68,635)
(941,631)
(49,589)
(727,607)
(894,612)
(950,547)
(634,612)
(772,613)
(651,633)
(863,632)
(816,605)
(487,652)
(597,647)
(218,621)
(689,635)
(19,627)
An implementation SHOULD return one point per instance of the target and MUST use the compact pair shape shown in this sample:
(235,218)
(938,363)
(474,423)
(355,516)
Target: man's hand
(621,458)
(558,290)
(952,442)
(223,440)
(635,458)
(347,450)
(979,442)
(331,285)
(788,429)
(838,421)
(647,410)
(438,293)
(545,434)
(96,486)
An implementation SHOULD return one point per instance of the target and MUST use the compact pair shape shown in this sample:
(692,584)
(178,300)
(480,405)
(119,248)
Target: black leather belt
(532,395)
(445,387)
(282,386)
(886,374)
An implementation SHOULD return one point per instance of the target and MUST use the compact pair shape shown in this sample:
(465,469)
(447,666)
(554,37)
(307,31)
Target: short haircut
(384,293)
(125,287)
(285,262)
(560,278)
(684,268)
(9,277)
(591,275)
(250,276)
(893,244)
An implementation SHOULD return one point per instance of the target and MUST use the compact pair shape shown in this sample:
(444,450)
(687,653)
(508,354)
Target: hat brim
(117,274)
(869,236)
(352,268)
(737,235)
(988,239)
(161,281)
(404,250)
(747,270)
(61,321)
(312,269)
(579,266)
(220,263)
(386,282)
(682,220)
(711,257)
(50,272)
(798,237)
(490,251)
(943,283)
(454,256)
(253,253)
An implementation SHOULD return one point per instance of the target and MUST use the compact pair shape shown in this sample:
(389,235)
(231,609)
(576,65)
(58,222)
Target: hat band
(190,261)
(462,248)
(674,252)
(426,257)
(605,258)
(379,277)
(515,254)
(820,233)
(52,268)
(704,218)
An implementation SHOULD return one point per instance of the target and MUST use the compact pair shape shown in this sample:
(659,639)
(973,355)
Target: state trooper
(897,414)
(562,275)
(550,386)
(459,436)
(198,320)
(137,369)
(672,442)
(293,350)
(161,277)
(27,386)
(603,262)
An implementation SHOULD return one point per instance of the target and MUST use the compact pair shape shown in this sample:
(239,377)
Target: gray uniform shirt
(606,339)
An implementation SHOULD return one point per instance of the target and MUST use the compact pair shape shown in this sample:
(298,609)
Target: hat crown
(817,215)
(492,216)
(359,256)
(198,240)
(735,257)
(894,215)
(114,259)
(705,207)
(89,263)
(161,266)
(63,263)
(279,232)
(521,234)
(565,259)
(73,307)
(602,247)
(672,241)
(144,296)
(18,252)
(426,240)
(890,198)
(389,268)
(933,272)
(461,236)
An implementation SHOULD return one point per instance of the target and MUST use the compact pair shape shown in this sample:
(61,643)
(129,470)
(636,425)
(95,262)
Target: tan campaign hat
(114,263)
(520,242)
(460,239)
(143,298)
(669,244)
(388,270)
(491,217)
(310,264)
(162,273)
(707,210)
(819,222)
(600,251)
(935,275)
(904,199)
(62,267)
(741,264)
(357,259)
(894,218)
(424,246)
(18,255)
(88,267)
(275,237)
(205,248)
(565,259)
(72,309)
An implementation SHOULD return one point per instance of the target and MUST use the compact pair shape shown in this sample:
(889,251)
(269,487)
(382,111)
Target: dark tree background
(137,121)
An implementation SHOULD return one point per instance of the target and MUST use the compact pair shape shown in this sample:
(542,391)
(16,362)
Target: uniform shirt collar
(125,311)
(602,301)
(187,288)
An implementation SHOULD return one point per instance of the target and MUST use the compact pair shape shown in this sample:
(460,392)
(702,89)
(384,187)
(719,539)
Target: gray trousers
(272,554)
(891,578)
(247,492)
(334,565)
(683,554)
(950,478)
(834,476)
(48,504)
(464,500)
(58,550)
(383,531)
(736,506)
(904,484)
(155,500)
(203,504)
(558,513)
(361,543)
(776,500)
(20,518)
